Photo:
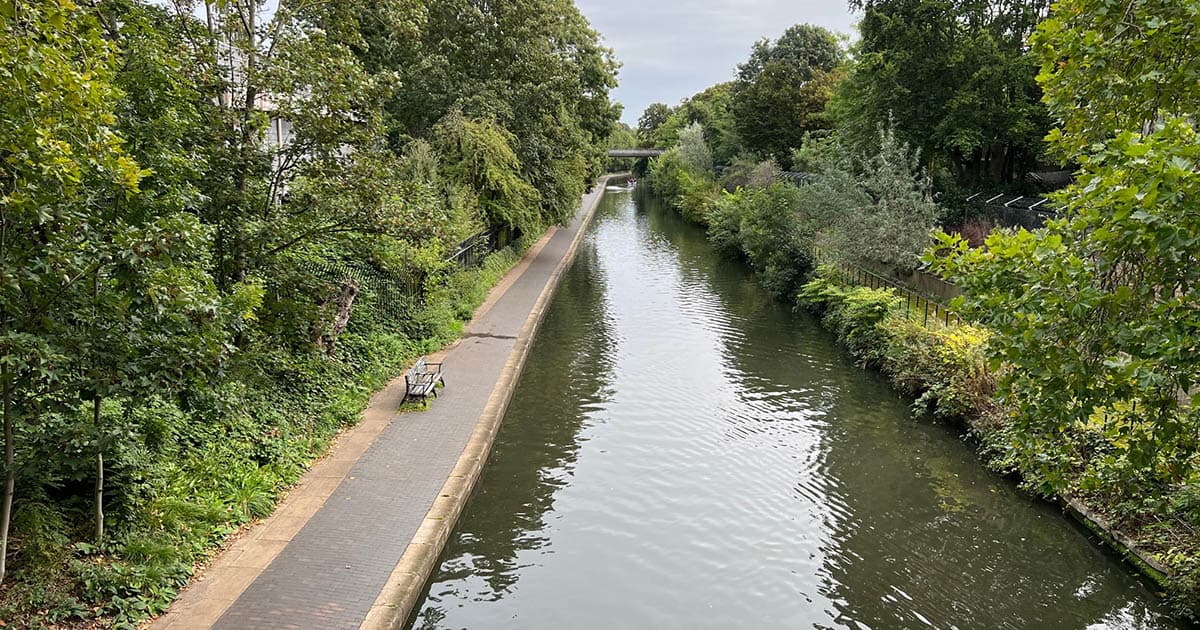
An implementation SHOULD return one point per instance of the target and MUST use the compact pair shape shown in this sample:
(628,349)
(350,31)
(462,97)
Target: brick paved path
(332,570)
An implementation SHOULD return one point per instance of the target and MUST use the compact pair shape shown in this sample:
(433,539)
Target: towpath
(352,545)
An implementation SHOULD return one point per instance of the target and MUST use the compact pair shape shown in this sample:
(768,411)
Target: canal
(684,452)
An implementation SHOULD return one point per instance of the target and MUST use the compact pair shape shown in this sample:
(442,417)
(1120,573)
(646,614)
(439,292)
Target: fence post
(925,322)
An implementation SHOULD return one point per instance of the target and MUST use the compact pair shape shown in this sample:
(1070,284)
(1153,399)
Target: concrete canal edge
(402,591)
(1143,561)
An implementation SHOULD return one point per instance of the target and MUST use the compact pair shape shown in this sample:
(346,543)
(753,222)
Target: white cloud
(672,49)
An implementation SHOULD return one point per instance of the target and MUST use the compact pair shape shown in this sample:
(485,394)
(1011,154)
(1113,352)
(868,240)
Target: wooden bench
(421,380)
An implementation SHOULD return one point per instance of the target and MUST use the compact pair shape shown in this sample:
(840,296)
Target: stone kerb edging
(407,581)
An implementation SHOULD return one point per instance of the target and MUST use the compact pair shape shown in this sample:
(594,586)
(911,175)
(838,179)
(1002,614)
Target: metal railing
(1005,210)
(395,297)
(917,306)
(473,249)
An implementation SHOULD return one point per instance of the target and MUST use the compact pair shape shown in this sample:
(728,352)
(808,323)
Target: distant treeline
(956,79)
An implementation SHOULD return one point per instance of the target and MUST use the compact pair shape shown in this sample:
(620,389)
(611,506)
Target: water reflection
(532,458)
(683,451)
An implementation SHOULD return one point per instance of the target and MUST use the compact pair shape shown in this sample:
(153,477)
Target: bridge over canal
(635,153)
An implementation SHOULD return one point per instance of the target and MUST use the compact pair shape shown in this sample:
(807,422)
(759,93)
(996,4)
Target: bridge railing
(635,153)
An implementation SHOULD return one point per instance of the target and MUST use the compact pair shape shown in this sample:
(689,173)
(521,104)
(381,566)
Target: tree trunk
(99,491)
(248,142)
(10,480)
(341,315)
(99,471)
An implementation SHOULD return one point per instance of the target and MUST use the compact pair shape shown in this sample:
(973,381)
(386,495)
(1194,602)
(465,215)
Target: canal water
(684,452)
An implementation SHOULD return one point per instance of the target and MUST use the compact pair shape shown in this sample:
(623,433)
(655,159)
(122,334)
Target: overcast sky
(671,49)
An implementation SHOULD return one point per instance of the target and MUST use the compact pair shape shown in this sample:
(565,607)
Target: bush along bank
(947,369)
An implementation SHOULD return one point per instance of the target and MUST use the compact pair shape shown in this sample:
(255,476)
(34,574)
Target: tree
(769,227)
(105,293)
(61,161)
(868,209)
(148,322)
(712,108)
(1096,313)
(955,77)
(479,153)
(183,186)
(622,137)
(808,49)
(547,83)
(780,92)
(651,120)
(889,210)
(287,122)
(1106,72)
(694,151)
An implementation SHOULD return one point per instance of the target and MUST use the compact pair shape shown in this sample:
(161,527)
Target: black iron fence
(398,297)
(473,249)
(918,306)
(798,178)
(393,296)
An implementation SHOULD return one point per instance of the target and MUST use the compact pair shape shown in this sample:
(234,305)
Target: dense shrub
(944,367)
(697,197)
(947,370)
(766,222)
(725,224)
(665,174)
(859,209)
(767,227)
(854,313)
(871,209)
(1083,377)
(745,172)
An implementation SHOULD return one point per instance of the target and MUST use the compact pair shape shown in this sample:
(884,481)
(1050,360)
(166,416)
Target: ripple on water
(682,452)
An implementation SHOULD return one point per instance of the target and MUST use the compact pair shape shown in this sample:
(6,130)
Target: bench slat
(422,378)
